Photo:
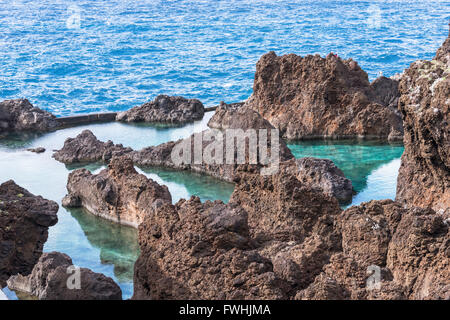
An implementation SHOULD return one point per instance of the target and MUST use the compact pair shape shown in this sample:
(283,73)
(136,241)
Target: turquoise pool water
(123,53)
(359,160)
(112,249)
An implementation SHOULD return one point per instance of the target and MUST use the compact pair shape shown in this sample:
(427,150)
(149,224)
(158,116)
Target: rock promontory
(20,115)
(313,97)
(117,193)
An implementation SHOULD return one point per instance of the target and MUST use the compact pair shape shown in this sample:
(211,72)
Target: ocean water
(72,57)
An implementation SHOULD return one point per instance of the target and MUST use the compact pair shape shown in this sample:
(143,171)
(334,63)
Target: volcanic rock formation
(165,109)
(389,252)
(54,278)
(117,193)
(313,97)
(87,148)
(424,176)
(20,115)
(24,223)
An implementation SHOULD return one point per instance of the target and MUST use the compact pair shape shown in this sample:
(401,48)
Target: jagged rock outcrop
(419,254)
(227,117)
(224,170)
(55,278)
(405,251)
(201,251)
(323,174)
(424,175)
(20,115)
(385,92)
(165,109)
(24,223)
(85,147)
(281,206)
(270,240)
(313,97)
(117,193)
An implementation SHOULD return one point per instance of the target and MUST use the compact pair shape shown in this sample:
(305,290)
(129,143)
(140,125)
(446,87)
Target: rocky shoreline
(282,235)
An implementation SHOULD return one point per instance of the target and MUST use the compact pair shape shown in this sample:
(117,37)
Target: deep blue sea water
(84,56)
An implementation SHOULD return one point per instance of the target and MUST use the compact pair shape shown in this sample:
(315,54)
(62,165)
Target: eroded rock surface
(117,193)
(424,176)
(404,250)
(54,278)
(323,174)
(20,115)
(165,109)
(24,223)
(227,117)
(85,147)
(201,251)
(271,240)
(313,97)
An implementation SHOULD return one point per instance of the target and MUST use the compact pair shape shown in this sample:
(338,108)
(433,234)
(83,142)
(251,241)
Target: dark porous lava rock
(165,109)
(314,97)
(404,249)
(20,115)
(24,223)
(271,240)
(54,278)
(238,118)
(324,175)
(85,147)
(201,251)
(424,176)
(117,193)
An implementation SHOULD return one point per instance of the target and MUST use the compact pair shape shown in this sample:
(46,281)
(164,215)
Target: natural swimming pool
(111,249)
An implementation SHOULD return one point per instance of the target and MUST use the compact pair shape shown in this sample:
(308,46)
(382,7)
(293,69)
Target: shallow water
(123,53)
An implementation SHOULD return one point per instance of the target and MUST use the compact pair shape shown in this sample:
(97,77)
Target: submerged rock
(117,193)
(85,147)
(424,175)
(314,97)
(165,109)
(54,278)
(20,115)
(24,223)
